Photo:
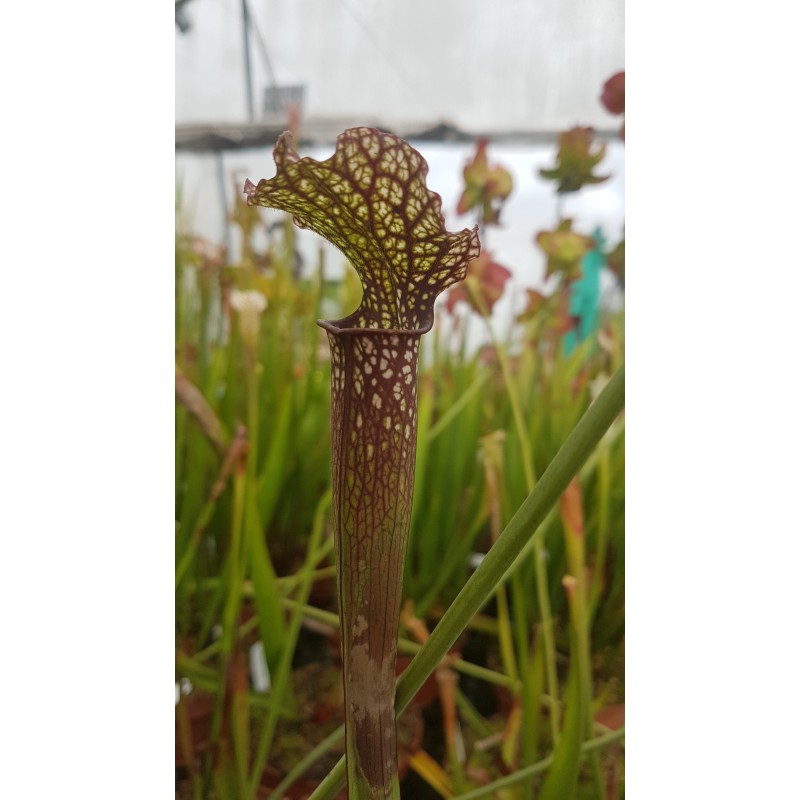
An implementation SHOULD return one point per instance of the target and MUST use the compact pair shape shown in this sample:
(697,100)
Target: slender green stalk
(562,778)
(234,596)
(602,492)
(253,377)
(511,389)
(540,562)
(234,454)
(448,681)
(533,687)
(215,647)
(308,760)
(458,406)
(572,516)
(540,559)
(479,588)
(283,674)
(491,455)
(505,637)
(592,746)
(479,726)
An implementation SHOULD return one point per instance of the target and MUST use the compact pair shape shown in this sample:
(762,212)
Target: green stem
(540,556)
(281,679)
(575,542)
(592,746)
(308,761)
(457,407)
(505,636)
(511,389)
(480,586)
(602,492)
(234,597)
(253,375)
(540,563)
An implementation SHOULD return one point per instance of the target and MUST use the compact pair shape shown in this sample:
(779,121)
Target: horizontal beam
(222,136)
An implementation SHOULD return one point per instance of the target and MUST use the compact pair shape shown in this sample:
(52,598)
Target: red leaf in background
(613,97)
(485,187)
(487,279)
(611,717)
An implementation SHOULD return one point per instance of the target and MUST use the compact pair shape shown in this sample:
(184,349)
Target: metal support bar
(248,75)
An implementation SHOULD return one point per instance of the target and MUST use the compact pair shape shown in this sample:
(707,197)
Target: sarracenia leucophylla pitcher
(370,200)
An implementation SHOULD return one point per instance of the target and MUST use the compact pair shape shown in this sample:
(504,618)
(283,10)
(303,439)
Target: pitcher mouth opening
(345,327)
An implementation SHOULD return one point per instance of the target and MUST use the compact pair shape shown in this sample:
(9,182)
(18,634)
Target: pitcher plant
(371,201)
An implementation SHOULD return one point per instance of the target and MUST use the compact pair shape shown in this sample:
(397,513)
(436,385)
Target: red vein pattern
(374,413)
(370,200)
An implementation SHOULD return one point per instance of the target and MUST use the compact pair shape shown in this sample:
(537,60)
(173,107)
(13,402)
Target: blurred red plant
(553,308)
(613,97)
(486,279)
(486,188)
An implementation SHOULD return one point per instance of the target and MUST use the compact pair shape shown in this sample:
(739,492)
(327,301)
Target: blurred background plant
(539,672)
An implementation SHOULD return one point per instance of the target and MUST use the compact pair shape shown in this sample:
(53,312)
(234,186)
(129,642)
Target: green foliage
(576,160)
